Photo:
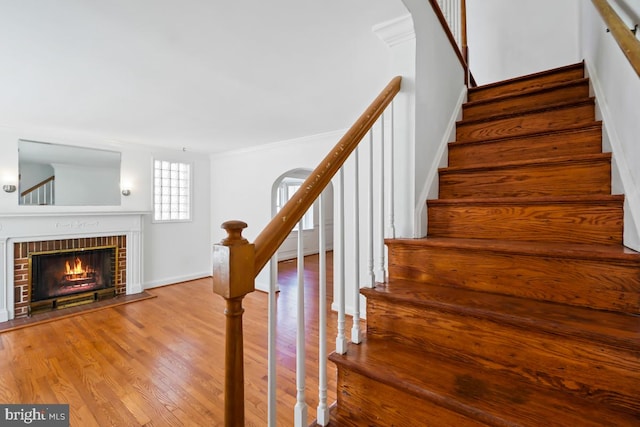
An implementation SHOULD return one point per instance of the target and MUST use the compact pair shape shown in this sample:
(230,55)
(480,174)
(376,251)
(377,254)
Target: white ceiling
(208,75)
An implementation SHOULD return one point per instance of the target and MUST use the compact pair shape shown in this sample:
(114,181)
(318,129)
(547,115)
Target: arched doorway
(282,189)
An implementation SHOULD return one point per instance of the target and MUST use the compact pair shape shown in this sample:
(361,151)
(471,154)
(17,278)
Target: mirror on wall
(65,175)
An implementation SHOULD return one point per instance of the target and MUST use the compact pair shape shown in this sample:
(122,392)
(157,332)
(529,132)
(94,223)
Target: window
(286,190)
(171,191)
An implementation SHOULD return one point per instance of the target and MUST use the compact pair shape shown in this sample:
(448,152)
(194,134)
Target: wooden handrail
(623,36)
(38,185)
(272,236)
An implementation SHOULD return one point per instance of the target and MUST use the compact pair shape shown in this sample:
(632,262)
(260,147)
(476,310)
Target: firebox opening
(71,277)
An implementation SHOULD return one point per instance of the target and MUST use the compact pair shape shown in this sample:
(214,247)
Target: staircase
(521,306)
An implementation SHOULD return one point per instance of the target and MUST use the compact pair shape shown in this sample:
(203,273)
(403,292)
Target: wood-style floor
(159,362)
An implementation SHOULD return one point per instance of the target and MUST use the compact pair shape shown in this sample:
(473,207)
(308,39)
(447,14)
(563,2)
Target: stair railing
(625,37)
(452,15)
(236,262)
(40,194)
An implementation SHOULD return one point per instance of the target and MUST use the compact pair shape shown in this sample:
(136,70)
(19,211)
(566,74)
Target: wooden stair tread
(528,92)
(552,107)
(570,160)
(615,329)
(497,400)
(595,199)
(616,253)
(568,129)
(578,65)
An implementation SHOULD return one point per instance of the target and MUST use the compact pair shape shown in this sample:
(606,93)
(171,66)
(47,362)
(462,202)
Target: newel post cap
(233,263)
(234,230)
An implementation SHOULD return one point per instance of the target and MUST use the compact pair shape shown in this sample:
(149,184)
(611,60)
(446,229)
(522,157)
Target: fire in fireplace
(56,275)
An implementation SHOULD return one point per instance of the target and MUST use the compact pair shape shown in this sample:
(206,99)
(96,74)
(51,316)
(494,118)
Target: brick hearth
(21,264)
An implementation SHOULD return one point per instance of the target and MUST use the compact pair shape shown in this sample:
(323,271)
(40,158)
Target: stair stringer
(622,179)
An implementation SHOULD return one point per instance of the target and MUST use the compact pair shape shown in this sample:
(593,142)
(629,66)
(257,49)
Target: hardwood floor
(159,362)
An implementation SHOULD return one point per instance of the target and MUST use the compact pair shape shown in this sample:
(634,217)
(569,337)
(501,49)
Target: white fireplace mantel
(52,226)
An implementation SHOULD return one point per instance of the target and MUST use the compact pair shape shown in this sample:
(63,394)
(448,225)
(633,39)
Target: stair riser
(524,124)
(603,374)
(575,92)
(360,403)
(580,282)
(527,148)
(537,82)
(538,180)
(568,222)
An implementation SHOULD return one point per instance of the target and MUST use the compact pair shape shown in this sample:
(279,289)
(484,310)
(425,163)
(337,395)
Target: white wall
(172,252)
(509,38)
(617,90)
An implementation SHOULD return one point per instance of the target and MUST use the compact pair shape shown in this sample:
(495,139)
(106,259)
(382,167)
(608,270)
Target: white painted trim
(395,31)
(632,196)
(431,185)
(8,293)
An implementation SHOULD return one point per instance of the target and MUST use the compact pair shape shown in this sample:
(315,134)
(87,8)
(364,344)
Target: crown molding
(395,31)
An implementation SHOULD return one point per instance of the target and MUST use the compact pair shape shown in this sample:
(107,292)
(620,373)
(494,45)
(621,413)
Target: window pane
(172,182)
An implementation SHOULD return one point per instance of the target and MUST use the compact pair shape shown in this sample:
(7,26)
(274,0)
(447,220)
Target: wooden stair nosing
(526,93)
(569,160)
(421,376)
(581,323)
(564,105)
(587,199)
(531,76)
(596,125)
(611,253)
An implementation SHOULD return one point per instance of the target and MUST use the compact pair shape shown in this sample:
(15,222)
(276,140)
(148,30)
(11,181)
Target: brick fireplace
(24,301)
(22,236)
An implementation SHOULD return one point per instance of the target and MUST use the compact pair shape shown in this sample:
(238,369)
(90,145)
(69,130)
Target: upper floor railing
(42,193)
(452,15)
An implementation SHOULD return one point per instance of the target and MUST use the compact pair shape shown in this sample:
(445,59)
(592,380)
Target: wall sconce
(126,191)
(9,188)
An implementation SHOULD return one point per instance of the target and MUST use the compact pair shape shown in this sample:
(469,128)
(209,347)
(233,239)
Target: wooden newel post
(233,278)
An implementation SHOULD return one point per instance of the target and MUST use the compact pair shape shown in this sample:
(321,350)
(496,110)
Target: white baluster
(322,413)
(392,222)
(372,277)
(458,18)
(355,329)
(271,350)
(300,410)
(454,20)
(381,274)
(341,340)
